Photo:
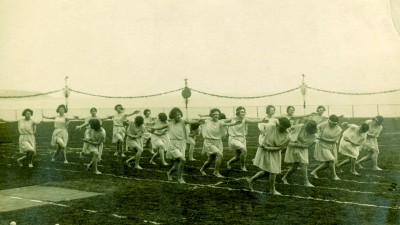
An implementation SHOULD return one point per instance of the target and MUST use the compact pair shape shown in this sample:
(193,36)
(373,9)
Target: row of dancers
(169,135)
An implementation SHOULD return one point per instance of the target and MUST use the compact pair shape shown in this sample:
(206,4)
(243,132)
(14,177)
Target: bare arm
(131,114)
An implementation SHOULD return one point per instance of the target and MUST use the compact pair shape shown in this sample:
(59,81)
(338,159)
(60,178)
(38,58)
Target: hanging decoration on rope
(140,96)
(186,93)
(252,97)
(303,89)
(32,95)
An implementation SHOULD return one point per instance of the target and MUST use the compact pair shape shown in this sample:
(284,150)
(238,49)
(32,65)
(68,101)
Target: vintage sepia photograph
(199,112)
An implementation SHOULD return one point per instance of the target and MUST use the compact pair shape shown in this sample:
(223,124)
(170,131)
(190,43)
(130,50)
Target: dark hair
(95,124)
(311,126)
(145,111)
(215,110)
(93,109)
(238,109)
(333,118)
(284,122)
(162,117)
(173,112)
(222,116)
(289,107)
(194,126)
(364,127)
(269,107)
(62,106)
(379,119)
(139,120)
(27,110)
(118,105)
(321,107)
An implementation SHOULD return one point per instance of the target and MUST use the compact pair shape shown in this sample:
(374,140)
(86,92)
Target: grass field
(146,197)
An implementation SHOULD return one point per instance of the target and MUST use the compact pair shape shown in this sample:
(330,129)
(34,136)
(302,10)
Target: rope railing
(354,93)
(31,95)
(247,97)
(141,96)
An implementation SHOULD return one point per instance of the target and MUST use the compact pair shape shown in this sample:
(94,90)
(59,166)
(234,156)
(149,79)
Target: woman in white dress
(94,139)
(148,124)
(352,139)
(212,131)
(301,137)
(268,156)
(119,129)
(160,140)
(371,144)
(93,115)
(325,148)
(59,138)
(134,134)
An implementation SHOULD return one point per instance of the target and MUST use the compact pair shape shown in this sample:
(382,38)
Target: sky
(234,47)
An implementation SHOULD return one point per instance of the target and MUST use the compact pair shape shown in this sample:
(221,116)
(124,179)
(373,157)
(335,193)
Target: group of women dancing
(169,135)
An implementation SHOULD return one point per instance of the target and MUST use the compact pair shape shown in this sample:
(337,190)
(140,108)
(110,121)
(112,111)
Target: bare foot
(30,165)
(128,164)
(116,154)
(152,162)
(193,159)
(285,180)
(97,172)
(65,161)
(202,172)
(80,155)
(218,175)
(165,164)
(169,176)
(314,174)
(88,166)
(377,168)
(19,163)
(228,166)
(138,167)
(53,159)
(181,181)
(123,155)
(335,178)
(355,173)
(250,184)
(244,168)
(275,192)
(359,165)
(308,184)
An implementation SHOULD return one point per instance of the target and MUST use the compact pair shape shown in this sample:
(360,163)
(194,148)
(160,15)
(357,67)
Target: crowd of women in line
(169,136)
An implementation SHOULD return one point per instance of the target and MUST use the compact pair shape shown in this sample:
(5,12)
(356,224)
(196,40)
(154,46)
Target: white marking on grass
(35,200)
(152,222)
(89,210)
(118,216)
(15,197)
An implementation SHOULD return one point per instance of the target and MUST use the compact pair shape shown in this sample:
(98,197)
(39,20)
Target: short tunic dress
(134,131)
(352,133)
(118,127)
(326,151)
(261,126)
(26,136)
(60,131)
(297,133)
(160,138)
(95,136)
(237,136)
(178,137)
(212,133)
(148,125)
(371,143)
(270,161)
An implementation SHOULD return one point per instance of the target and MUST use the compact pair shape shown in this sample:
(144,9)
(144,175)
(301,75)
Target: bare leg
(290,172)
(272,190)
(154,157)
(22,158)
(256,177)
(374,158)
(323,166)
(173,169)
(303,170)
(180,170)
(234,159)
(363,159)
(94,162)
(333,170)
(243,156)
(207,164)
(353,166)
(56,153)
(191,151)
(137,157)
(161,151)
(218,161)
(64,149)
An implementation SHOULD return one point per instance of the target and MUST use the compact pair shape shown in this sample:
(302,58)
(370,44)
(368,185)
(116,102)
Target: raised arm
(131,114)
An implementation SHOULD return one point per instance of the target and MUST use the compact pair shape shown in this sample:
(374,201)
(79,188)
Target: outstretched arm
(131,114)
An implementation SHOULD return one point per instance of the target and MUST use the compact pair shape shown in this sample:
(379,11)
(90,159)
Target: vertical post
(280,110)
(257,110)
(16,115)
(186,101)
(328,110)
(352,110)
(303,89)
(377,109)
(66,91)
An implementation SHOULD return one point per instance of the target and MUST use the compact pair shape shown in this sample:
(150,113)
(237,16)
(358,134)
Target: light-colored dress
(326,151)
(297,133)
(60,131)
(26,136)
(261,127)
(212,133)
(318,119)
(178,137)
(352,133)
(134,131)
(270,161)
(237,136)
(85,145)
(371,144)
(160,139)
(148,125)
(95,136)
(118,127)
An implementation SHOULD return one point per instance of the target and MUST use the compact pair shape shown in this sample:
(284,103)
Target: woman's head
(283,124)
(27,113)
(147,112)
(62,109)
(333,120)
(194,126)
(118,108)
(215,113)
(240,111)
(93,111)
(379,120)
(270,110)
(162,117)
(139,120)
(311,126)
(364,127)
(175,114)
(95,124)
(290,110)
(320,110)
